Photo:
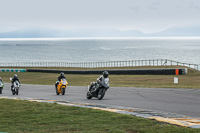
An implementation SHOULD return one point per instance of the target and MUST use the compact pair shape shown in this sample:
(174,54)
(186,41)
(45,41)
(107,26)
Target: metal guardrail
(155,62)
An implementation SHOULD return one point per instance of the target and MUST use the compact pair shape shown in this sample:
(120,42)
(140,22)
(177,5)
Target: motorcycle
(1,87)
(15,89)
(98,89)
(61,87)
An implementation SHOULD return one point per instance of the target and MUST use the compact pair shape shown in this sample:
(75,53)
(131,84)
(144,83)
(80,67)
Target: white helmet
(15,76)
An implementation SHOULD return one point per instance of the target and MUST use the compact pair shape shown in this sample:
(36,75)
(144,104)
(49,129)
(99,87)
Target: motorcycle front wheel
(101,94)
(17,91)
(88,95)
(63,91)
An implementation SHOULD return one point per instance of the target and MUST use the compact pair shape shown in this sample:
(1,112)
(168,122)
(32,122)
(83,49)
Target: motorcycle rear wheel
(57,91)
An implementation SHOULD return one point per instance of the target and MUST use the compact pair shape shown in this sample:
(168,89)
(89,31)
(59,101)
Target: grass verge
(191,80)
(17,116)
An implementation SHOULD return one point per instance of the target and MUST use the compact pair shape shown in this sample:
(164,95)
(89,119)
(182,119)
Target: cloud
(195,4)
(135,8)
(154,6)
(156,3)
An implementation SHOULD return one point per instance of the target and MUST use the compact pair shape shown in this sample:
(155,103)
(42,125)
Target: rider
(13,80)
(99,79)
(62,75)
(1,79)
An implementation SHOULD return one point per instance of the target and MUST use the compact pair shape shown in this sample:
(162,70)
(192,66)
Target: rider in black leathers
(59,79)
(13,80)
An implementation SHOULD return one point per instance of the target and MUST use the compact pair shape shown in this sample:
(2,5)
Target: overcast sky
(143,15)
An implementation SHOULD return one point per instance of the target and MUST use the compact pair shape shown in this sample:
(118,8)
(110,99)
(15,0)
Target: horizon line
(91,38)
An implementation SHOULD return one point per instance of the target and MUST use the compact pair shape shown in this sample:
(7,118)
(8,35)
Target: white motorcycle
(98,89)
(15,88)
(1,87)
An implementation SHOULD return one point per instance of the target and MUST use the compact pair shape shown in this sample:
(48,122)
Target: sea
(182,49)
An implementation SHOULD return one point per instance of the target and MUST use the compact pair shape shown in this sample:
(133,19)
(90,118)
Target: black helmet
(105,74)
(15,76)
(62,74)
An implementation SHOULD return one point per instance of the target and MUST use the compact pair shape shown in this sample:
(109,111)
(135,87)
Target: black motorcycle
(98,89)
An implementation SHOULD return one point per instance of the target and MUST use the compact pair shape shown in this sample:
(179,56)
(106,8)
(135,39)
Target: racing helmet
(62,74)
(105,74)
(15,76)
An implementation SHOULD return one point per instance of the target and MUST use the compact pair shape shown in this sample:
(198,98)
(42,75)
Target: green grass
(17,116)
(191,80)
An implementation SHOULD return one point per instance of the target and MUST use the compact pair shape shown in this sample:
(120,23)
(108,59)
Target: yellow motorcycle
(61,87)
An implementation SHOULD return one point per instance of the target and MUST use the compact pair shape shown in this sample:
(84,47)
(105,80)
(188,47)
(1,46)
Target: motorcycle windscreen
(64,82)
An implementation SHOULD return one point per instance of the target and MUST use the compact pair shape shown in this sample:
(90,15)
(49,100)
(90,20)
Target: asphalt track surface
(170,100)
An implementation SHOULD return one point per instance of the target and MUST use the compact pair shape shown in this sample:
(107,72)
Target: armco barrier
(182,71)
(12,70)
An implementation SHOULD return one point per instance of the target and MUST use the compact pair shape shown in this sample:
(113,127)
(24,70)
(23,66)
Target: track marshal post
(176,78)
